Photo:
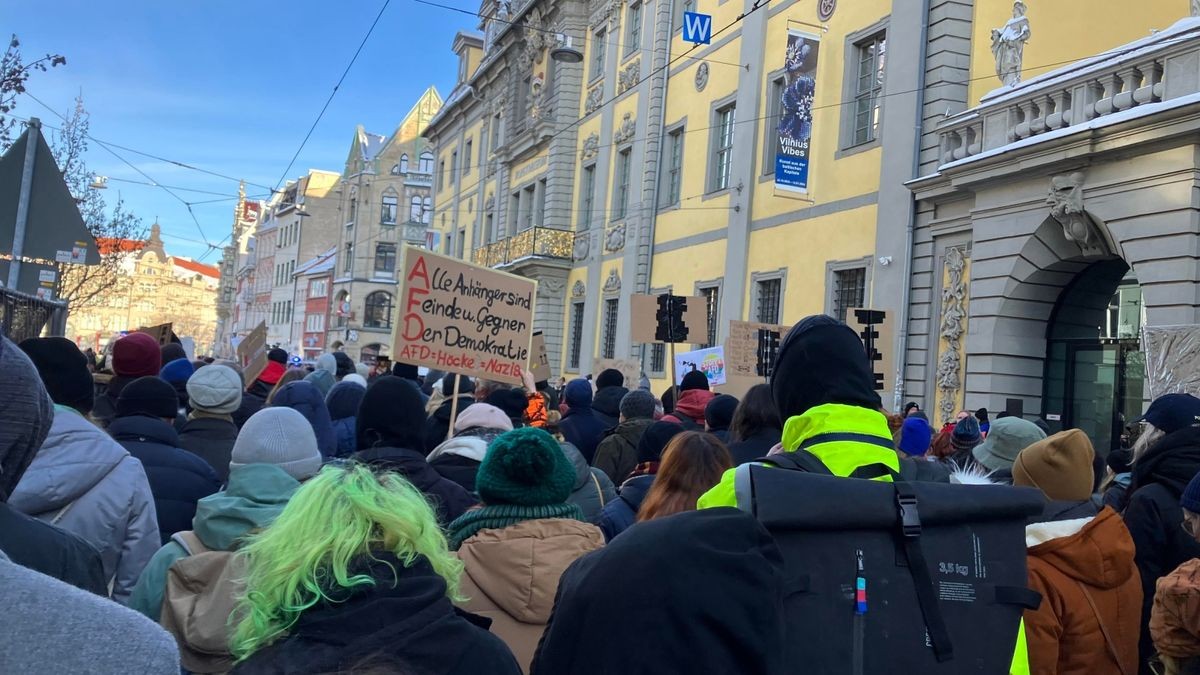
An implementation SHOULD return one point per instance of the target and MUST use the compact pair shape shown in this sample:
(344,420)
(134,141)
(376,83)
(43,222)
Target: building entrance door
(1095,368)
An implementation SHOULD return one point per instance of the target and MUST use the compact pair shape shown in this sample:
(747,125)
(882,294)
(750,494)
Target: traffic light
(671,327)
(870,320)
(768,350)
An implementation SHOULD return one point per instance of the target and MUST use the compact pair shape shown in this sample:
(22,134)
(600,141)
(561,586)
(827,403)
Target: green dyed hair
(343,512)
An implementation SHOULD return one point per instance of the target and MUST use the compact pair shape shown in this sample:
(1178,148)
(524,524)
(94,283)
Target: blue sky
(228,86)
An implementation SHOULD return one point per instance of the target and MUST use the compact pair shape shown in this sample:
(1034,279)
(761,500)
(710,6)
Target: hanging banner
(794,131)
(709,361)
(463,318)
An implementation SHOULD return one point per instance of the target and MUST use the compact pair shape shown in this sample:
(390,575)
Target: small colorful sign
(709,361)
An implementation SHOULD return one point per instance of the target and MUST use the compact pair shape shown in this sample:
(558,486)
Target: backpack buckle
(910,519)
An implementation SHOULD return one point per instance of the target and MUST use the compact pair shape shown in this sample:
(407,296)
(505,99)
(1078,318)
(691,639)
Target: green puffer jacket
(254,497)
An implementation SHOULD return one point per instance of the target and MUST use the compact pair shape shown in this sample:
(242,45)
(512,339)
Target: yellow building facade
(151,288)
(668,178)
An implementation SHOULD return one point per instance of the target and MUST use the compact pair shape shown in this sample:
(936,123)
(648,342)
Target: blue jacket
(343,401)
(306,399)
(621,513)
(582,428)
(178,479)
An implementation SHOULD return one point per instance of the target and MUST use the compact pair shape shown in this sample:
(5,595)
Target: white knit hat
(215,389)
(484,416)
(279,436)
(356,379)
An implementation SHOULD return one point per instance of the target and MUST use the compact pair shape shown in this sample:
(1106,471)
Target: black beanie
(668,401)
(148,396)
(512,402)
(392,414)
(694,380)
(610,377)
(822,361)
(277,355)
(345,365)
(63,369)
(172,351)
(719,412)
(404,371)
(465,385)
(655,439)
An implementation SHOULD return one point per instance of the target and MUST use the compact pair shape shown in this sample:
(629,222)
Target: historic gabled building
(384,201)
(246,215)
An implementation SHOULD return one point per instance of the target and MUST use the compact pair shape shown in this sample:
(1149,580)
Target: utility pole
(18,245)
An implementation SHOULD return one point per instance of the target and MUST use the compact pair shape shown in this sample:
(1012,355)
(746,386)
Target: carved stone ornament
(591,147)
(489,203)
(595,97)
(578,290)
(951,328)
(524,58)
(629,77)
(1008,45)
(625,132)
(537,38)
(614,239)
(825,10)
(702,76)
(1195,7)
(1066,207)
(583,246)
(550,288)
(613,283)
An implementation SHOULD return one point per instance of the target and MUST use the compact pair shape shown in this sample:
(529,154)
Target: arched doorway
(1095,369)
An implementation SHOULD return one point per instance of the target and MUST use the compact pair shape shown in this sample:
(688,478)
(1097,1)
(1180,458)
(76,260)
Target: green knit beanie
(525,467)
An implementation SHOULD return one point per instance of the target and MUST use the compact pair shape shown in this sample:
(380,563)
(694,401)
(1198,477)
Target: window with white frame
(722,158)
(314,323)
(672,168)
(377,310)
(712,311)
(318,288)
(425,162)
(587,196)
(414,209)
(621,194)
(633,27)
(871,59)
(769,294)
(609,345)
(598,49)
(404,163)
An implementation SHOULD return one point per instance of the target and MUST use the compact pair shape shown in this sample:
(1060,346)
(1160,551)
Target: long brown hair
(755,413)
(692,463)
(290,375)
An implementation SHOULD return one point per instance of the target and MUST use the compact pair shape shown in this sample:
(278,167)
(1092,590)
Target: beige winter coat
(511,576)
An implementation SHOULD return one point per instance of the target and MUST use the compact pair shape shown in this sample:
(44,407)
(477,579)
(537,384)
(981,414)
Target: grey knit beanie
(279,436)
(215,389)
(26,413)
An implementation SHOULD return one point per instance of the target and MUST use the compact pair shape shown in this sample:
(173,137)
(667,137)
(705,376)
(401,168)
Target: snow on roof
(319,264)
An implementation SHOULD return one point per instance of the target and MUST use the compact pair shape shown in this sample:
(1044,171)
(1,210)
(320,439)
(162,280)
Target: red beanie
(137,355)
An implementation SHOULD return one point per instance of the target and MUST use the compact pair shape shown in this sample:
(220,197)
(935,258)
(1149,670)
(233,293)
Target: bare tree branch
(13,75)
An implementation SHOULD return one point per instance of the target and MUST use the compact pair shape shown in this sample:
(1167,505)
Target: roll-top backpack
(198,605)
(894,577)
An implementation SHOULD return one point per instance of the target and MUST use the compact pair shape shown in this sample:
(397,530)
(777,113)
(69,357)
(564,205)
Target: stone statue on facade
(1066,207)
(1008,45)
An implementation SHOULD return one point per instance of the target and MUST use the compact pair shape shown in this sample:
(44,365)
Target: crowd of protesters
(170,516)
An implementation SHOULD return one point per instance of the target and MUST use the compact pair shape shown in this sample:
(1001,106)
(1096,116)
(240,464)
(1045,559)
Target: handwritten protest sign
(252,352)
(751,347)
(632,370)
(463,318)
(539,361)
(709,361)
(161,332)
(690,322)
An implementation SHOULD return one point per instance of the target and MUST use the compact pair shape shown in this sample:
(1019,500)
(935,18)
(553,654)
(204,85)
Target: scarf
(500,516)
(643,469)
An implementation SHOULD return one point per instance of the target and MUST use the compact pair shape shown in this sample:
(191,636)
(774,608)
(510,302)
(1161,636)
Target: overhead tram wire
(333,93)
(608,43)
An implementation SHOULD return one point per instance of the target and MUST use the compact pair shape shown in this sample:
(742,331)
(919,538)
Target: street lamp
(564,52)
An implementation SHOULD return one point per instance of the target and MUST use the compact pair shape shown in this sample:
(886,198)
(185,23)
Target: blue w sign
(697,28)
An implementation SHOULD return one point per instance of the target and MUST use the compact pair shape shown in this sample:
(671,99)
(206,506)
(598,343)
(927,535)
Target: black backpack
(942,566)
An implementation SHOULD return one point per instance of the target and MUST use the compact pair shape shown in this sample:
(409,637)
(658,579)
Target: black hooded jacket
(606,405)
(697,592)
(404,623)
(822,361)
(1154,516)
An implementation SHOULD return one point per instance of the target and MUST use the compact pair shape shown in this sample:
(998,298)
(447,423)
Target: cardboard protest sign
(161,332)
(539,361)
(710,361)
(751,348)
(632,370)
(691,317)
(462,318)
(252,352)
(874,327)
